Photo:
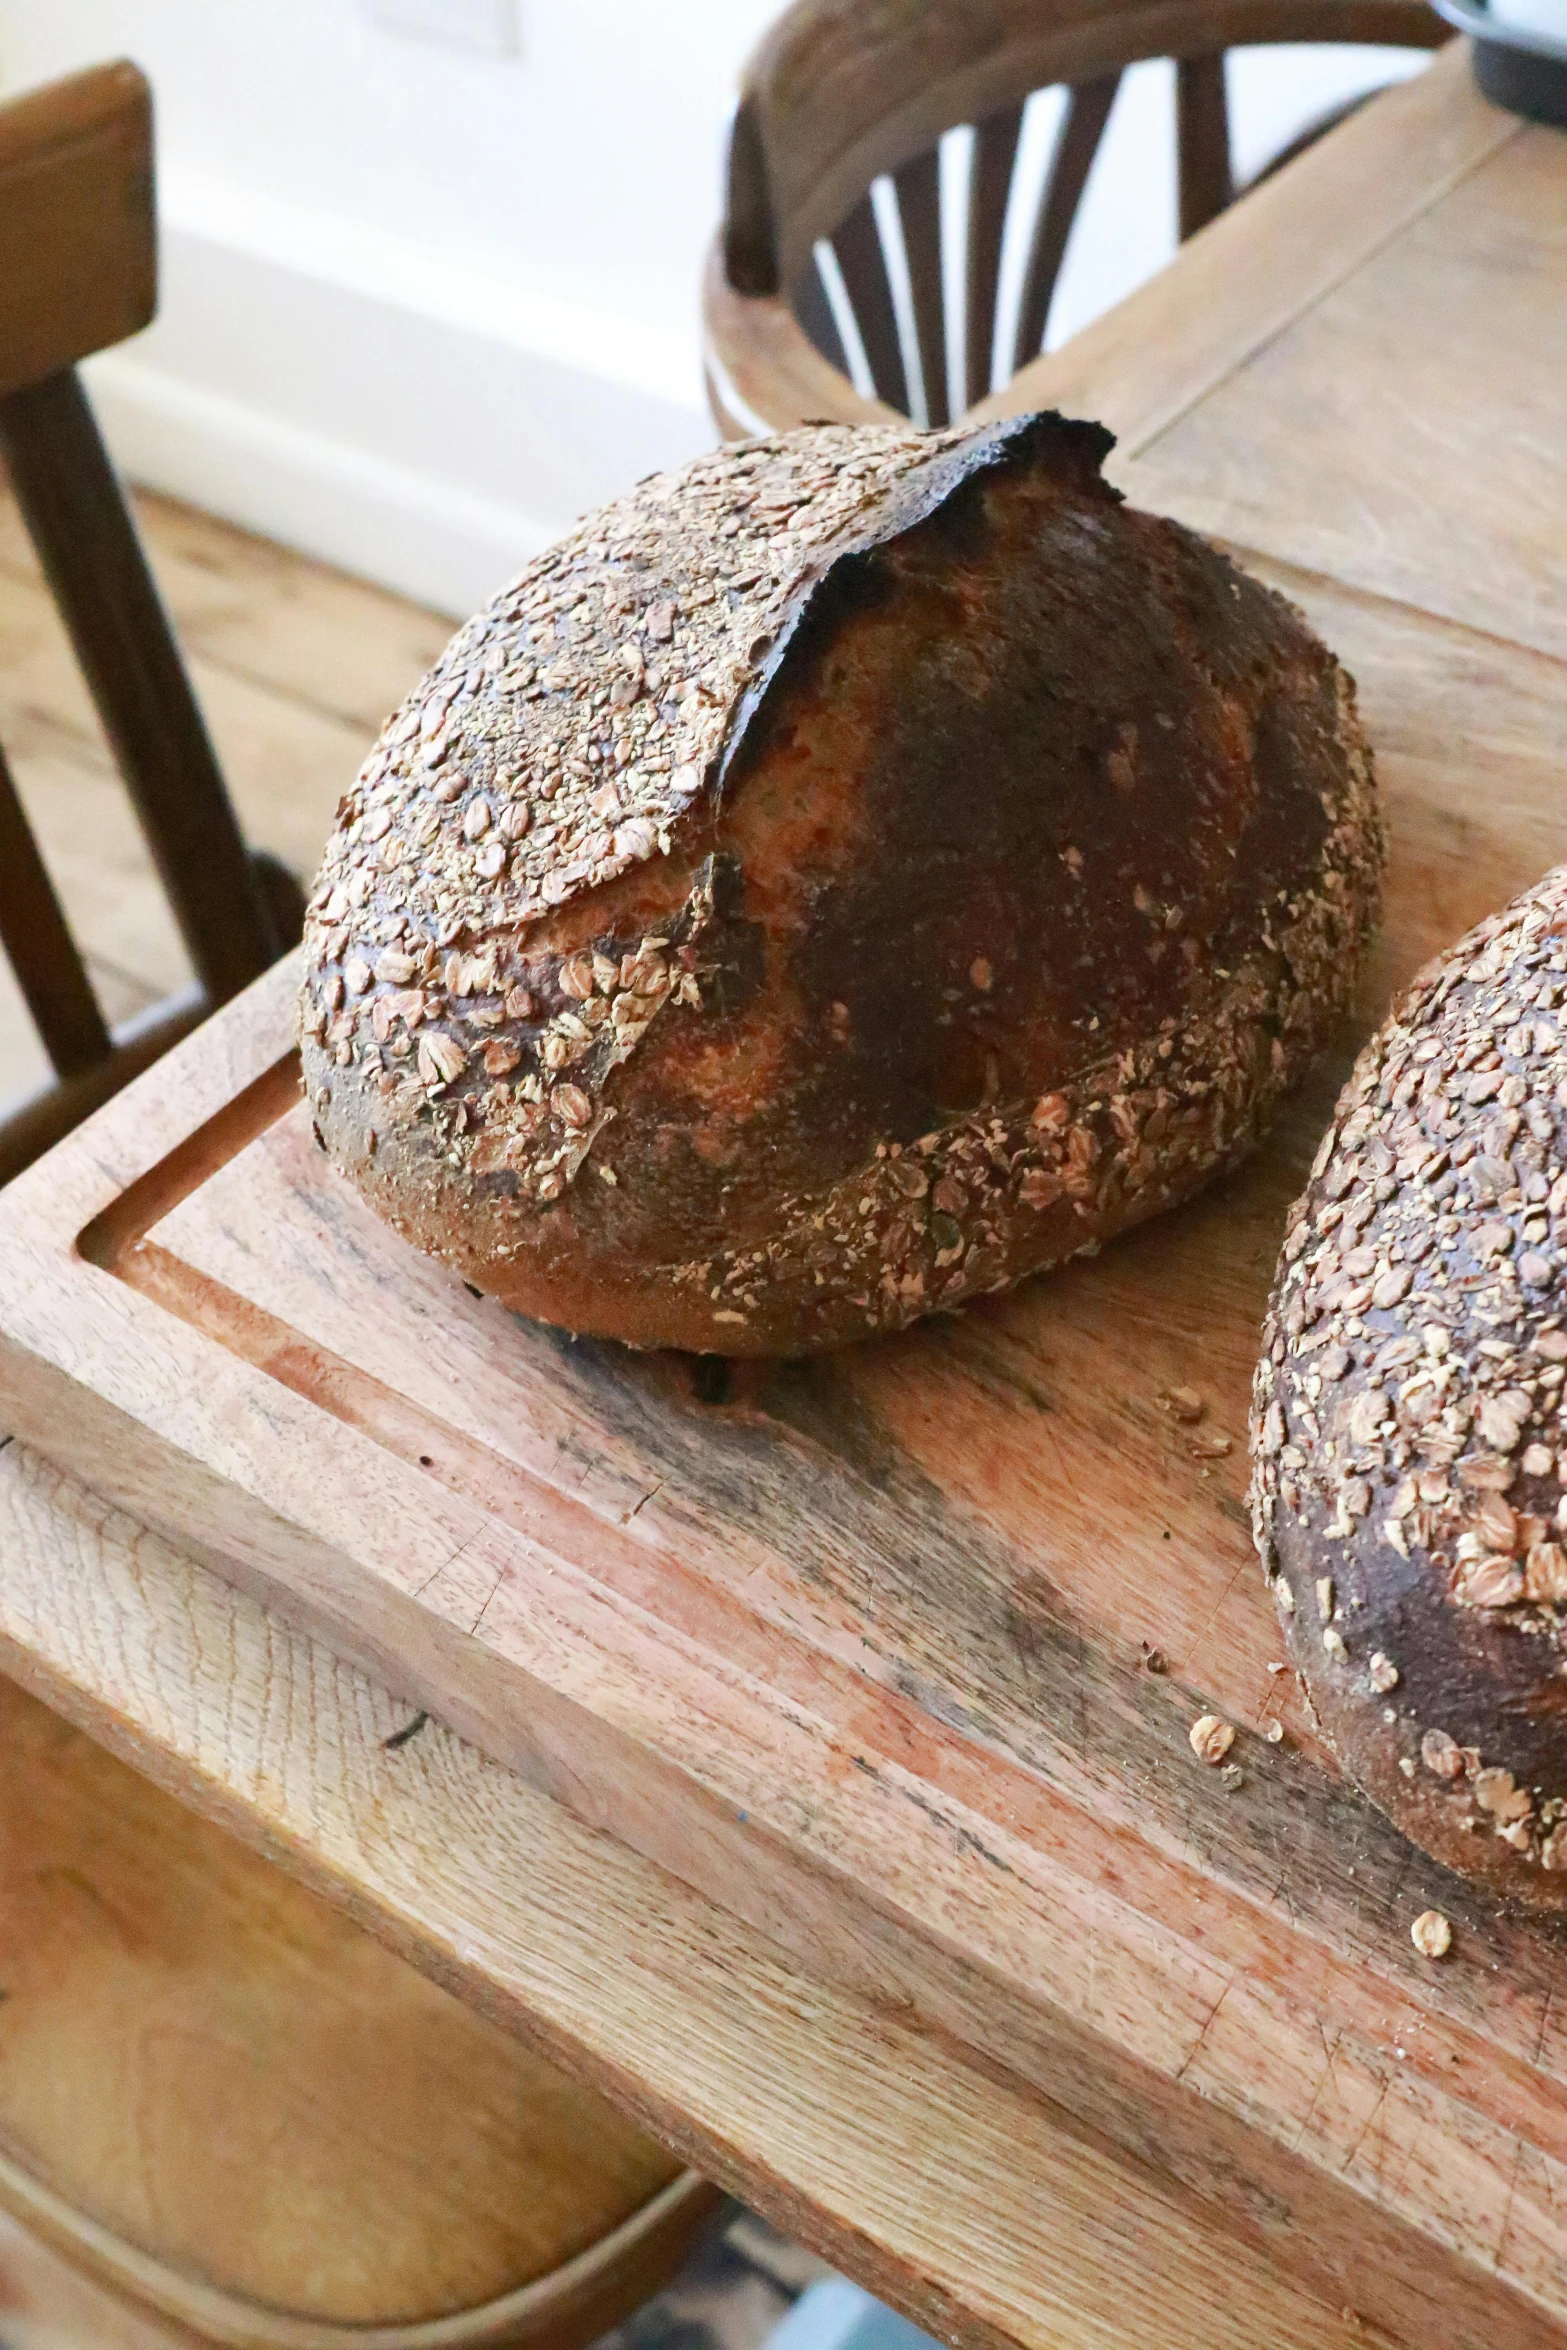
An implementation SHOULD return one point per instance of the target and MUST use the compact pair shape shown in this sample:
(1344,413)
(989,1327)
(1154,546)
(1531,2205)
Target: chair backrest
(78,271)
(843,93)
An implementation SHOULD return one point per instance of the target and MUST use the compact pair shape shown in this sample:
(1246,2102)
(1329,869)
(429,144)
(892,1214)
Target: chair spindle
(1077,143)
(1202,129)
(990,187)
(40,950)
(918,186)
(815,314)
(863,262)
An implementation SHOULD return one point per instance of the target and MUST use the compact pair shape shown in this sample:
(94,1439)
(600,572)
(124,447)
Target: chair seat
(223,2098)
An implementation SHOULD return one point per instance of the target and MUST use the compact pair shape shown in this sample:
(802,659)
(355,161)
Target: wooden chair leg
(40,949)
(1202,117)
(77,518)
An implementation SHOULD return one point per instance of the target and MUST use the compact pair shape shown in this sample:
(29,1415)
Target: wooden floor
(296,667)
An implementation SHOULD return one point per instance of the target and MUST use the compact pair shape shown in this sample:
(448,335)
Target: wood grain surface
(1442,358)
(47,2303)
(176,2011)
(975,2206)
(861,1653)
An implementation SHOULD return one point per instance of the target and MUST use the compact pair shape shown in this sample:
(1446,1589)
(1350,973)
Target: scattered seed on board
(1431,1934)
(1182,1403)
(1211,1739)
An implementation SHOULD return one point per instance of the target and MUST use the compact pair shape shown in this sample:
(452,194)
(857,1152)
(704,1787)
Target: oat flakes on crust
(1410,1450)
(534,915)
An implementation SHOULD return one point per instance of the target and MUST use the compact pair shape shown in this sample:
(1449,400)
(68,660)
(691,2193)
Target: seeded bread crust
(1409,1477)
(852,872)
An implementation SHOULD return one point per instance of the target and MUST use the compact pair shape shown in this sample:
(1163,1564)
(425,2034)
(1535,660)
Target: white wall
(421,307)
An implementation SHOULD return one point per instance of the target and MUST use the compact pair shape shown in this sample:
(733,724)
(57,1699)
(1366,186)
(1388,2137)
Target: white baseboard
(416,434)
(406,530)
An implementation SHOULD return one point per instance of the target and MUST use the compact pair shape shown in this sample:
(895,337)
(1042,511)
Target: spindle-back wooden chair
(78,271)
(842,93)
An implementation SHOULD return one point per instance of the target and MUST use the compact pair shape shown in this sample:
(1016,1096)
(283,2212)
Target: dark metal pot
(1523,70)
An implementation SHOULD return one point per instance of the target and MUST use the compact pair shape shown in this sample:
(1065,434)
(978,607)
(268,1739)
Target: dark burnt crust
(1072,451)
(1026,861)
(1407,1426)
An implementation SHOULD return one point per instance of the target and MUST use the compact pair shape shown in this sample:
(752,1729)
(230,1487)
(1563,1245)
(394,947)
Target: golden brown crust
(979,864)
(1409,1479)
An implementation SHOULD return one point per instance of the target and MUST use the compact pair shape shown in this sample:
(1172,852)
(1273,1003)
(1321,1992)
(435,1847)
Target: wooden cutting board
(894,1653)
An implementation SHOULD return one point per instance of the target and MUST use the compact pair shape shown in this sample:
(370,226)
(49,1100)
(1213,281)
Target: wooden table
(1355,378)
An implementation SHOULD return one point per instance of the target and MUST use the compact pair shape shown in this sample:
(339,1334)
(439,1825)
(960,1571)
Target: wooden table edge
(621,1975)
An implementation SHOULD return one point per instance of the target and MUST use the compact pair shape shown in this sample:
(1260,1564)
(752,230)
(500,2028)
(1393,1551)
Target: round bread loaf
(1408,1429)
(851,872)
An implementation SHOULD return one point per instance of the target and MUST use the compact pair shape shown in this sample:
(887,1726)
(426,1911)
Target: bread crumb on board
(1211,1739)
(1431,1934)
(1182,1403)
